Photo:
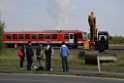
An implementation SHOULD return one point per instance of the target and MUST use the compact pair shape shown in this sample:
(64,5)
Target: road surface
(44,78)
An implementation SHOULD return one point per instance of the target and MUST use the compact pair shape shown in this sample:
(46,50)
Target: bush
(117,40)
(2,26)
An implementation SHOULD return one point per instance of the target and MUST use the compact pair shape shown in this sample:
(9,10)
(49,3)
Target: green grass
(9,63)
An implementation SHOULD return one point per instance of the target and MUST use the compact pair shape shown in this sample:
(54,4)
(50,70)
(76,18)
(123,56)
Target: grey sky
(36,15)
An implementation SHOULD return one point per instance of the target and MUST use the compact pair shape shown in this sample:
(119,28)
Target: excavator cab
(103,41)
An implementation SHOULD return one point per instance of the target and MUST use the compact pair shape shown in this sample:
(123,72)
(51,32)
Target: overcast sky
(36,15)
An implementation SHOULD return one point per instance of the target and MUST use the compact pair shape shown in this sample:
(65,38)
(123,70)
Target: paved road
(38,78)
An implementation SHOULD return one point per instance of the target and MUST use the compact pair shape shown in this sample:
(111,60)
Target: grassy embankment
(9,62)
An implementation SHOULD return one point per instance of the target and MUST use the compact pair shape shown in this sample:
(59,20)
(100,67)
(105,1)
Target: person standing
(64,52)
(22,57)
(29,55)
(38,57)
(48,51)
(51,59)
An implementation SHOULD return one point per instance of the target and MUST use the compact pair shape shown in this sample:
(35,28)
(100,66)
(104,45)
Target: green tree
(2,26)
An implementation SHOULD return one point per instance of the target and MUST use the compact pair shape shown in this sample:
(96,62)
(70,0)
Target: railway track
(116,47)
(113,47)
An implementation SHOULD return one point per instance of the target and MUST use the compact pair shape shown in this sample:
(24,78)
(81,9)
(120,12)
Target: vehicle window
(40,36)
(47,36)
(80,36)
(27,36)
(34,36)
(14,36)
(8,36)
(66,36)
(104,36)
(54,36)
(85,35)
(21,36)
(71,36)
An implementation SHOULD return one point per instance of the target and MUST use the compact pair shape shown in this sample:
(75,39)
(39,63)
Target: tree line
(117,40)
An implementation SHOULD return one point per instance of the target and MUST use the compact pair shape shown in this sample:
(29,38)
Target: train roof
(46,31)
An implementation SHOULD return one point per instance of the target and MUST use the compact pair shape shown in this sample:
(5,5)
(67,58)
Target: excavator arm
(93,31)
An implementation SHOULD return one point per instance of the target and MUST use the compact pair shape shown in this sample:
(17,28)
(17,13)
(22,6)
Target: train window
(27,36)
(71,36)
(8,36)
(34,36)
(66,36)
(40,36)
(14,36)
(21,36)
(80,36)
(47,36)
(54,36)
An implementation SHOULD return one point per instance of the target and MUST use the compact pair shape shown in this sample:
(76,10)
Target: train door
(73,40)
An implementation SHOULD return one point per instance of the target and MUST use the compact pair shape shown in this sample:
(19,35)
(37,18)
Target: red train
(73,38)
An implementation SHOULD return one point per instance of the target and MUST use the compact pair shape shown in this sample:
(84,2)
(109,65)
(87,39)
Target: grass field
(9,61)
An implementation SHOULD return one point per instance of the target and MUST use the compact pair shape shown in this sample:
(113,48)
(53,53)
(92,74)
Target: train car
(72,38)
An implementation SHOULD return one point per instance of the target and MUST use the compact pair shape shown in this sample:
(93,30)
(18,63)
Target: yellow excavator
(97,43)
(98,40)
